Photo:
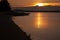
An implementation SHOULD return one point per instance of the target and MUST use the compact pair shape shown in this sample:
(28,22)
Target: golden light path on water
(38,20)
(41,20)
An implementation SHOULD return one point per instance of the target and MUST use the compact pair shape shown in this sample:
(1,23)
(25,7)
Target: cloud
(54,1)
(22,3)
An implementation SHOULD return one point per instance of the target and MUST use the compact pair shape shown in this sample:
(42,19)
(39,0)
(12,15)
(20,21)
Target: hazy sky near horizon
(19,3)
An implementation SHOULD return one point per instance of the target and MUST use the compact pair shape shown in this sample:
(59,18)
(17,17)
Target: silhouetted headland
(39,9)
(8,29)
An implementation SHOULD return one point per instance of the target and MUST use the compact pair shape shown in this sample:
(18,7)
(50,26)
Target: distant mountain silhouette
(40,9)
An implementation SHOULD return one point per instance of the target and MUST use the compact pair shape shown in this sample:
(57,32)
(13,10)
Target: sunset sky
(24,3)
(44,26)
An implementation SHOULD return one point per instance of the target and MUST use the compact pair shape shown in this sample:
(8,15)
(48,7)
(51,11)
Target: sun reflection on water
(38,20)
(41,20)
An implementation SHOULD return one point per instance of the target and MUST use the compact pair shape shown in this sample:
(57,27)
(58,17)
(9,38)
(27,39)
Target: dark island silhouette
(8,29)
(48,8)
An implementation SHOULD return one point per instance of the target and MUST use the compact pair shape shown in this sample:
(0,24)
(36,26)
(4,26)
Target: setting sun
(46,4)
(41,4)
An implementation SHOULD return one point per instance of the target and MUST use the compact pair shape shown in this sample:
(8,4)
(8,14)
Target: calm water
(41,25)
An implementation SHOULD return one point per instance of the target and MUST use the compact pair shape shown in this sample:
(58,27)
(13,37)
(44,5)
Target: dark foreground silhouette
(8,29)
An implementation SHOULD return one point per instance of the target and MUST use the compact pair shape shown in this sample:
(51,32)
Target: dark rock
(8,29)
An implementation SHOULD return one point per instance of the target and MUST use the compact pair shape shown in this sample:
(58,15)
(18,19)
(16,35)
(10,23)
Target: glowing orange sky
(23,3)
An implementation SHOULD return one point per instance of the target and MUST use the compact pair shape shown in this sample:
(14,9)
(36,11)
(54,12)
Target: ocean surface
(40,25)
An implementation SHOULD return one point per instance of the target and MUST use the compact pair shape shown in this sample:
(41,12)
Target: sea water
(40,25)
